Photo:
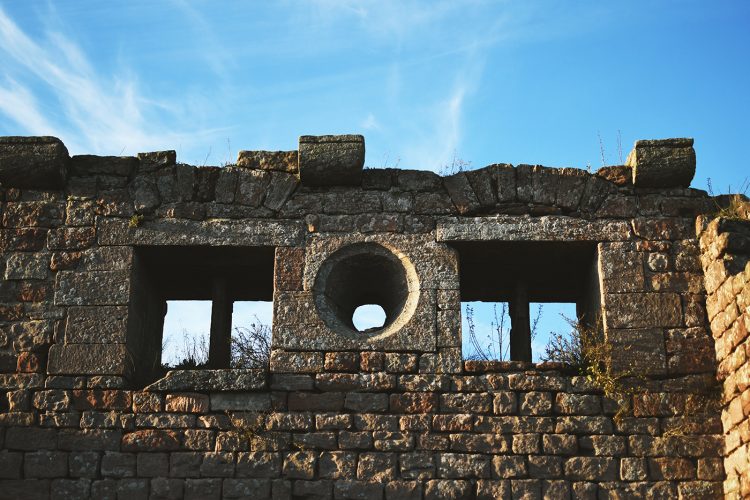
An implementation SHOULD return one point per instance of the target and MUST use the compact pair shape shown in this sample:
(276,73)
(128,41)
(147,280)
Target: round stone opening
(363,275)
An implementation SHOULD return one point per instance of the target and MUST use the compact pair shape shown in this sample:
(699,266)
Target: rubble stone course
(89,251)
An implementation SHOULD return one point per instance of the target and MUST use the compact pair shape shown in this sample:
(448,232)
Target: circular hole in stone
(368,317)
(363,274)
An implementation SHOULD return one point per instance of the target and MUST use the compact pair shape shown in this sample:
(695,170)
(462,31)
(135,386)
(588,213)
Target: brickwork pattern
(725,244)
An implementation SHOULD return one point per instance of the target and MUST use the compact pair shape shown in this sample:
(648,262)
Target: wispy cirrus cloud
(49,87)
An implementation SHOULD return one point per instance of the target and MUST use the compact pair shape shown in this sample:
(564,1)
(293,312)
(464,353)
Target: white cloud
(17,103)
(93,113)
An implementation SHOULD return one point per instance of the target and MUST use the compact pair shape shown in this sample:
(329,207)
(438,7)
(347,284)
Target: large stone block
(640,351)
(96,325)
(85,165)
(662,163)
(331,160)
(33,162)
(88,359)
(642,310)
(211,380)
(547,228)
(94,288)
(621,268)
(213,232)
(283,161)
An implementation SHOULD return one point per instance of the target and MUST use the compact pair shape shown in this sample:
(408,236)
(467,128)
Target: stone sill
(211,380)
(475,366)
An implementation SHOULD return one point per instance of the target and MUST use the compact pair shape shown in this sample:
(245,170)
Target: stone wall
(93,246)
(725,244)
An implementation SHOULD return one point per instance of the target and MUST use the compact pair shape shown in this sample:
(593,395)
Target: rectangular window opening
(190,306)
(518,298)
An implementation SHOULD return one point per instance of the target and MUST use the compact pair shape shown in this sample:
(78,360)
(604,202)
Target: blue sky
(425,82)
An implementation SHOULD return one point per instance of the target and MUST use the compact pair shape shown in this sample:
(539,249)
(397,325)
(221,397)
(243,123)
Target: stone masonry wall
(725,244)
(339,414)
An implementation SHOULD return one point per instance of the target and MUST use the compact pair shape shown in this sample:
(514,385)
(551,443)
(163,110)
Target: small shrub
(585,350)
(251,346)
(731,205)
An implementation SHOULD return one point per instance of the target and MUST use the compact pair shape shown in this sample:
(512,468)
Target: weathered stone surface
(662,163)
(97,325)
(247,379)
(215,232)
(331,160)
(151,440)
(643,310)
(621,175)
(187,403)
(21,266)
(638,351)
(461,193)
(90,165)
(88,359)
(240,401)
(99,288)
(145,194)
(548,228)
(33,162)
(283,161)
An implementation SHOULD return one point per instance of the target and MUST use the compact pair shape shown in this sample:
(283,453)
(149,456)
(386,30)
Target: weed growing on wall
(585,350)
(733,205)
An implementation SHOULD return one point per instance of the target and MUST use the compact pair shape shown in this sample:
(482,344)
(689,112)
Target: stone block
(591,468)
(96,325)
(25,266)
(280,188)
(378,467)
(245,379)
(187,403)
(240,401)
(643,310)
(299,465)
(151,440)
(152,464)
(115,464)
(30,439)
(638,351)
(366,402)
(461,193)
(45,464)
(331,160)
(282,161)
(662,163)
(246,488)
(463,466)
(88,359)
(337,465)
(258,464)
(95,288)
(296,362)
(443,489)
(33,162)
